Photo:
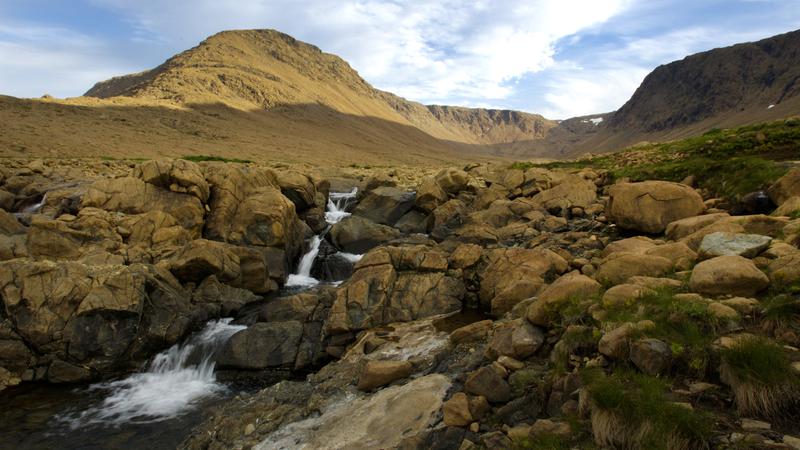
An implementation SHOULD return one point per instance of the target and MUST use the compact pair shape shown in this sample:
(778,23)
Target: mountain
(726,87)
(266,69)
(263,95)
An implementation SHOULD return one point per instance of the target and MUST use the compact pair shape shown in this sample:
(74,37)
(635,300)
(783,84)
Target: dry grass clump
(762,378)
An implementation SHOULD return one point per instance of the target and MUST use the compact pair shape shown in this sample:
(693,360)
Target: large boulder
(786,187)
(617,268)
(684,227)
(356,234)
(430,195)
(506,267)
(395,284)
(451,180)
(732,275)
(201,258)
(649,206)
(133,196)
(261,346)
(297,187)
(176,175)
(99,317)
(380,373)
(385,205)
(573,191)
(9,224)
(786,269)
(91,232)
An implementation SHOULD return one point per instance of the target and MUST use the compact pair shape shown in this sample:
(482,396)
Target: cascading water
(176,379)
(336,211)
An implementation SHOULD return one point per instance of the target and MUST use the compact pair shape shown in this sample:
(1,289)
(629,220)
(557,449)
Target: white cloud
(37,60)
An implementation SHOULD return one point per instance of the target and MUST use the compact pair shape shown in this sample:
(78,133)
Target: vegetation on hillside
(730,163)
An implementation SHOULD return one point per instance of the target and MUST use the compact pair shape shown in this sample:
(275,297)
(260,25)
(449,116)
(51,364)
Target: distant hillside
(738,85)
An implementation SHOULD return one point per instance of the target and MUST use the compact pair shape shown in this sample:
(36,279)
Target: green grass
(640,402)
(686,326)
(729,163)
(201,158)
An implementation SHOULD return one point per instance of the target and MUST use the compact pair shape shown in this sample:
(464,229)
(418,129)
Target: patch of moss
(201,158)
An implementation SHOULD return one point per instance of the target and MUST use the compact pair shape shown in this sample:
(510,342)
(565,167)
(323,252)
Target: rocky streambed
(491,307)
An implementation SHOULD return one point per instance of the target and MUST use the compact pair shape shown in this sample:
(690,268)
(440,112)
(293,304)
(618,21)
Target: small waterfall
(303,276)
(36,207)
(171,385)
(337,205)
(336,211)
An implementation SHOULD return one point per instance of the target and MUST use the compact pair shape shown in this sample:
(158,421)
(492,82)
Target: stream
(150,410)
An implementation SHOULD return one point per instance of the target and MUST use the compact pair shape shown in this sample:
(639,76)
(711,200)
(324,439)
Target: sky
(558,58)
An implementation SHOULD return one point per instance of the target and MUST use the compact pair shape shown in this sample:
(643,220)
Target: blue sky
(560,58)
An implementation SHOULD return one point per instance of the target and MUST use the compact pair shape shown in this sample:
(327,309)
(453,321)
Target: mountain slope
(266,69)
(726,87)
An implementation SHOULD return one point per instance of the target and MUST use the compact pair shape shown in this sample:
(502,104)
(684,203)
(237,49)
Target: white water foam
(169,388)
(350,257)
(36,207)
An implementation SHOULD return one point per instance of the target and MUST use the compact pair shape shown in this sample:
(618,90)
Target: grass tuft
(762,378)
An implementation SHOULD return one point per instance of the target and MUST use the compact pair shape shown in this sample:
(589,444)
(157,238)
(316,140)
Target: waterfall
(303,276)
(36,207)
(336,211)
(176,379)
(337,205)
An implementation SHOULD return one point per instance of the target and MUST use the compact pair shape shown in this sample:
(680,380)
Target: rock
(785,187)
(430,195)
(791,207)
(722,311)
(574,191)
(456,411)
(176,175)
(624,294)
(91,232)
(64,372)
(649,206)
(785,269)
(299,188)
(684,227)
(549,428)
(9,224)
(637,244)
(655,283)
(452,181)
(571,285)
(399,288)
(682,257)
(262,345)
(385,205)
(733,275)
(99,318)
(6,200)
(508,298)
(201,258)
(507,266)
(465,255)
(619,267)
(229,298)
(380,373)
(615,343)
(355,234)
(413,222)
(488,383)
(722,244)
(651,356)
(755,425)
(517,339)
(742,305)
(133,196)
(472,332)
(381,420)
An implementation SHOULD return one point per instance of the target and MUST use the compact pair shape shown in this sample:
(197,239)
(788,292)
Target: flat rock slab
(381,420)
(733,244)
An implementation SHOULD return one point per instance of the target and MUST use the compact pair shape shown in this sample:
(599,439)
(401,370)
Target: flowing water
(151,410)
(338,202)
(147,410)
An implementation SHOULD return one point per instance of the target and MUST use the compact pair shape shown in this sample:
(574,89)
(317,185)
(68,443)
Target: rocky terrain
(264,96)
(485,306)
